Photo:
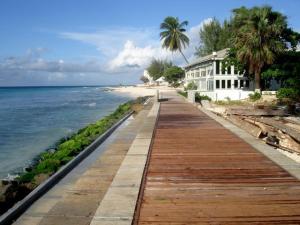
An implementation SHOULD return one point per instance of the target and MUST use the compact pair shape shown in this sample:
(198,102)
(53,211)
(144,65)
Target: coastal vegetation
(144,79)
(214,36)
(191,86)
(66,149)
(173,36)
(157,68)
(285,69)
(255,96)
(258,38)
(173,74)
(162,68)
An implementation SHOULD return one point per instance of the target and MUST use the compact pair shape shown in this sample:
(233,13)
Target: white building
(147,75)
(161,82)
(216,81)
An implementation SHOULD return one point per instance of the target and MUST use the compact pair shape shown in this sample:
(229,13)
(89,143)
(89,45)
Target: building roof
(219,54)
(161,79)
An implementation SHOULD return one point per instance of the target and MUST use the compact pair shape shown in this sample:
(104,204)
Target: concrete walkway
(75,199)
(200,172)
(119,202)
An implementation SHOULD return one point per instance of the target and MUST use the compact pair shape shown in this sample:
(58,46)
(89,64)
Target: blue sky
(64,42)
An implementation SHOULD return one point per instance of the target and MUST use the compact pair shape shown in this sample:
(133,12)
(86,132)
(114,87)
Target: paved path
(75,199)
(201,173)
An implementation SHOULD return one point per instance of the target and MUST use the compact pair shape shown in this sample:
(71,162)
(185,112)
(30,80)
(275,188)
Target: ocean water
(32,119)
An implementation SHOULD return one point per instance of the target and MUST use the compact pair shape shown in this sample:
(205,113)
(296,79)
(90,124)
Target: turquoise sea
(32,119)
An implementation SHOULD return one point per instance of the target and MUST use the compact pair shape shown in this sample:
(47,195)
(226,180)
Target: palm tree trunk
(187,62)
(257,81)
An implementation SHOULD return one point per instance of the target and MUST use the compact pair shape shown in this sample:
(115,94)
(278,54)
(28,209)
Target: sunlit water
(32,119)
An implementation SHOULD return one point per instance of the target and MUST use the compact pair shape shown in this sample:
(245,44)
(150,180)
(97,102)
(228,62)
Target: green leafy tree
(173,75)
(173,36)
(214,37)
(144,79)
(258,38)
(285,69)
(157,67)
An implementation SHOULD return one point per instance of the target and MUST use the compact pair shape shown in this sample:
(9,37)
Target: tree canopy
(144,79)
(173,75)
(172,35)
(214,36)
(157,67)
(258,38)
(286,69)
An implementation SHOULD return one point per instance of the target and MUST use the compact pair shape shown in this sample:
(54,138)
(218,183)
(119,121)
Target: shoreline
(48,162)
(135,91)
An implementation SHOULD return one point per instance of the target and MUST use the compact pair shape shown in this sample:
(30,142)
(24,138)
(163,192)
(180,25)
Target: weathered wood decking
(201,173)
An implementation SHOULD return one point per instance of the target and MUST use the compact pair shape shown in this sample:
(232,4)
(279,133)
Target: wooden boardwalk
(200,173)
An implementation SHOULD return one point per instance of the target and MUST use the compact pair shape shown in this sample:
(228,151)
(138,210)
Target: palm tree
(257,38)
(173,36)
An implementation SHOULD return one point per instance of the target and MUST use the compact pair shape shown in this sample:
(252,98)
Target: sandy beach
(138,91)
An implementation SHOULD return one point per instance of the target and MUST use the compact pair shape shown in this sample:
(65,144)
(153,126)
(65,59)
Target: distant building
(161,82)
(147,75)
(216,81)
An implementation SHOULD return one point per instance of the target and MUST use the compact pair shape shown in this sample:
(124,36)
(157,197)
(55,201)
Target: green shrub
(47,166)
(254,97)
(26,177)
(288,93)
(199,98)
(191,86)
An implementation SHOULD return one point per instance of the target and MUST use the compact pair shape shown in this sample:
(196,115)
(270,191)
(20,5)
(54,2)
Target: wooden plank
(280,126)
(256,112)
(198,172)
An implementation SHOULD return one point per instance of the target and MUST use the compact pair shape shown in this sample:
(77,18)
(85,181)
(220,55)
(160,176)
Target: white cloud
(132,56)
(33,61)
(138,55)
(110,41)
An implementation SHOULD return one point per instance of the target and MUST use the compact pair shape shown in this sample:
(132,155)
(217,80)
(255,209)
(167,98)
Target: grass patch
(183,93)
(254,97)
(230,102)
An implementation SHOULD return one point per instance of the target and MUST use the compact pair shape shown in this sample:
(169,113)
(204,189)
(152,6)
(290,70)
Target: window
(236,84)
(217,67)
(247,84)
(203,73)
(210,85)
(223,69)
(235,70)
(217,84)
(197,74)
(223,84)
(228,84)
(229,70)
(241,83)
